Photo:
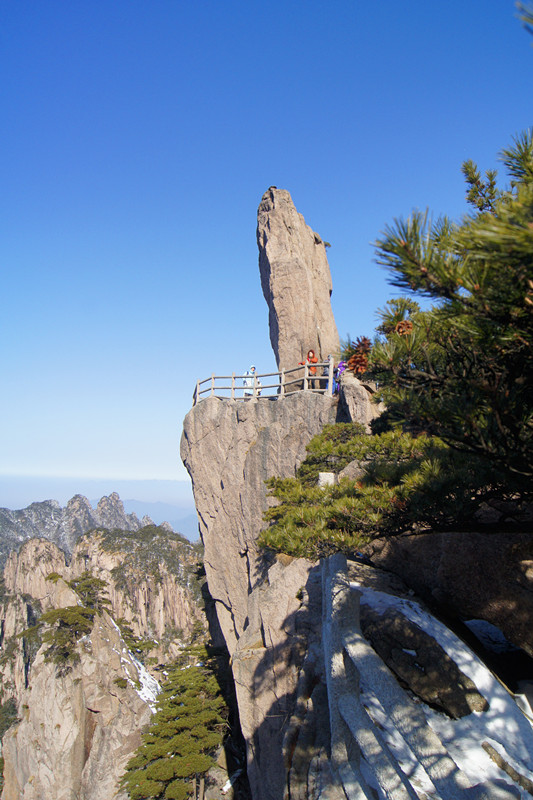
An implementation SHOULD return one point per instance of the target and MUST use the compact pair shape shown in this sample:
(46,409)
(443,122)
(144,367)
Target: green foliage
(482,194)
(331,451)
(90,591)
(9,648)
(186,729)
(463,370)
(66,626)
(4,594)
(404,483)
(8,715)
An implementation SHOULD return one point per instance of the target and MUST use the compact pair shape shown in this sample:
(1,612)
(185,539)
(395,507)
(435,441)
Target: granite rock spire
(296,282)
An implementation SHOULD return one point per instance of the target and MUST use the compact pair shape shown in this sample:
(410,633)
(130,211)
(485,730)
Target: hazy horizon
(19,491)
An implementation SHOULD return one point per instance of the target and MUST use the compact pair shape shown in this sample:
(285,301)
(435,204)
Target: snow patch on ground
(503,725)
(149,688)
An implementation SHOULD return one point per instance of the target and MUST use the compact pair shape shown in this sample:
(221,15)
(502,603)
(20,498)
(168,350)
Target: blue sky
(138,139)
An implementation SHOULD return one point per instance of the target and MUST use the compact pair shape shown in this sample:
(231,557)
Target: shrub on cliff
(64,627)
(91,591)
(400,482)
(186,729)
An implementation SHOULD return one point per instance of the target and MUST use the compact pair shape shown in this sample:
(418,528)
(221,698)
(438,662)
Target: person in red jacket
(311,360)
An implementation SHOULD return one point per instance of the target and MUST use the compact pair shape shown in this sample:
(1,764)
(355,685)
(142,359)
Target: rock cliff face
(151,580)
(296,282)
(63,526)
(76,731)
(230,449)
(439,568)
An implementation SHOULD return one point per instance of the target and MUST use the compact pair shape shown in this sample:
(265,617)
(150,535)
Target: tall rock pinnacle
(296,282)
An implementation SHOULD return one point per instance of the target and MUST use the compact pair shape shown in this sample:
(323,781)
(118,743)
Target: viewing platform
(269,385)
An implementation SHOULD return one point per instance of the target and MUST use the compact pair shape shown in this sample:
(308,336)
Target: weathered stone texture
(230,449)
(77,732)
(282,634)
(469,575)
(296,282)
(355,400)
(270,616)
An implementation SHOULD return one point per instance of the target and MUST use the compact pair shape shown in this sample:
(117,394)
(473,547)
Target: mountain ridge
(63,526)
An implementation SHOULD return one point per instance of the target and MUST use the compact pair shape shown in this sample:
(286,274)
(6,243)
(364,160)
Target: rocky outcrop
(151,585)
(78,731)
(268,613)
(278,652)
(296,282)
(230,449)
(151,582)
(439,567)
(356,400)
(63,526)
(25,595)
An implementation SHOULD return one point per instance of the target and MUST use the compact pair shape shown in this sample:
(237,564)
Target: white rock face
(78,731)
(296,282)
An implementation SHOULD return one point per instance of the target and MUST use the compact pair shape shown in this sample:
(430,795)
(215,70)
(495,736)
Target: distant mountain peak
(63,526)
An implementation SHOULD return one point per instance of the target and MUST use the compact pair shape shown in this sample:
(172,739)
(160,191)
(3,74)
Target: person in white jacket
(248,383)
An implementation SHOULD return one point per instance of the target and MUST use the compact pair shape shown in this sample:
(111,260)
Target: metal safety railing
(316,378)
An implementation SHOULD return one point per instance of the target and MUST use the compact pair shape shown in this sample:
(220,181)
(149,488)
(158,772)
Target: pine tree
(463,371)
(525,13)
(404,483)
(186,729)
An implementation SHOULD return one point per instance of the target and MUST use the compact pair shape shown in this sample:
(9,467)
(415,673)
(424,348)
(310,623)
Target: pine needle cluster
(463,370)
(402,483)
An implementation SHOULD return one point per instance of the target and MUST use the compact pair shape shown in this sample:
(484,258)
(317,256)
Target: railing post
(212,383)
(306,374)
(196,393)
(282,383)
(330,376)
(255,384)
(233,386)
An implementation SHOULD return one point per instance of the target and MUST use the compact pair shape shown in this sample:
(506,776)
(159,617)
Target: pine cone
(358,363)
(363,344)
(403,327)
